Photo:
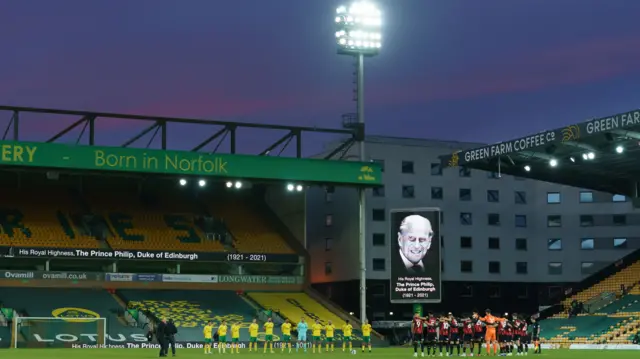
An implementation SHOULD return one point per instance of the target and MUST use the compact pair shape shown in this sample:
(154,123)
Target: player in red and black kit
(443,335)
(478,333)
(454,334)
(417,334)
(467,336)
(431,334)
(501,333)
(520,335)
(508,338)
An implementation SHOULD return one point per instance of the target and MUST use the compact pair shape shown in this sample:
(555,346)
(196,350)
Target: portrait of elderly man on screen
(414,239)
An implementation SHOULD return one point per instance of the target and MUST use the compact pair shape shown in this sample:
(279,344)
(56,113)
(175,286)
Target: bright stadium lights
(572,159)
(358,29)
(202,183)
(237,185)
(183,182)
(619,149)
(229,184)
(294,187)
(527,168)
(591,155)
(553,162)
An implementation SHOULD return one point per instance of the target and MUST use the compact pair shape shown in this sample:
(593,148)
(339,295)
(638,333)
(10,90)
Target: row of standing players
(287,327)
(502,334)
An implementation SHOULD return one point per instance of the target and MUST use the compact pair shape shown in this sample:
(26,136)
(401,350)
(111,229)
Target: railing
(598,302)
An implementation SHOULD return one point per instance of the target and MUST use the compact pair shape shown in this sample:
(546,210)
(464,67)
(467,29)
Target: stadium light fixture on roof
(527,168)
(619,149)
(293,187)
(183,182)
(238,185)
(553,162)
(359,29)
(229,184)
(202,183)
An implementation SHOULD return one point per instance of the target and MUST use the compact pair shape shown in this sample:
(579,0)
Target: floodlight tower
(358,34)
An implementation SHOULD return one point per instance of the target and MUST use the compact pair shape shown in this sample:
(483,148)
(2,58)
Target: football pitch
(386,353)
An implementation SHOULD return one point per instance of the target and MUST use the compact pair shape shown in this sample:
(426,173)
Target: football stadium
(135,248)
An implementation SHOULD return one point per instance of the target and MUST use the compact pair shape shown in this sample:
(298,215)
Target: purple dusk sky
(465,70)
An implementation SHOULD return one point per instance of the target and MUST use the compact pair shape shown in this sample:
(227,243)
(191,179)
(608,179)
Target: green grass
(197,353)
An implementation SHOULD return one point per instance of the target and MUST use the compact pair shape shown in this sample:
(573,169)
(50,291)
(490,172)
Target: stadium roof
(601,154)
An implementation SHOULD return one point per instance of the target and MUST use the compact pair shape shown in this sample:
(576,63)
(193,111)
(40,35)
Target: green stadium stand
(70,303)
(626,304)
(191,310)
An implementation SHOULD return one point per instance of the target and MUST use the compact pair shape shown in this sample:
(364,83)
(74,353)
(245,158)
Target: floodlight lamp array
(358,28)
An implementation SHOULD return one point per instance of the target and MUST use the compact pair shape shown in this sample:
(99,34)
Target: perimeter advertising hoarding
(415,255)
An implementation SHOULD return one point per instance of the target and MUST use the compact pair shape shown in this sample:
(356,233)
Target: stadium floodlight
(202,183)
(572,159)
(183,182)
(299,188)
(359,34)
(553,162)
(229,184)
(290,187)
(358,29)
(238,185)
(619,149)
(527,168)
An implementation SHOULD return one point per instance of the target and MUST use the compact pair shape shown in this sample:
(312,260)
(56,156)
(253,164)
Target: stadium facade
(497,230)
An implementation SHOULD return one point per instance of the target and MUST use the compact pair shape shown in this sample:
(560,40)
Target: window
(494,243)
(378,191)
(328,268)
(378,239)
(407,166)
(619,243)
(618,198)
(493,175)
(587,243)
(586,197)
(466,218)
(328,244)
(619,220)
(465,194)
(494,267)
(466,266)
(436,169)
(378,215)
(523,292)
(466,291)
(521,268)
(465,242)
(586,220)
(493,219)
(554,244)
(464,172)
(586,267)
(554,268)
(378,264)
(554,220)
(328,220)
(553,197)
(379,162)
(494,291)
(408,192)
(521,244)
(436,193)
(521,197)
(521,220)
(493,196)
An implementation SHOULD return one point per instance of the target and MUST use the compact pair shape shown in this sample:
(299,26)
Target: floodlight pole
(362,196)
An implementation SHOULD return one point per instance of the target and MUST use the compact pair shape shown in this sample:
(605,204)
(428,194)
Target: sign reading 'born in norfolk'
(55,155)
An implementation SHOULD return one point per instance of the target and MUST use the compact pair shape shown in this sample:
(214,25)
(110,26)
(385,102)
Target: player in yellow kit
(222,337)
(347,330)
(208,336)
(235,337)
(286,334)
(253,335)
(268,335)
(329,331)
(316,332)
(366,335)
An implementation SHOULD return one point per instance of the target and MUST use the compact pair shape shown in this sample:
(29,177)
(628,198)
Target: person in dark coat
(161,335)
(171,337)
